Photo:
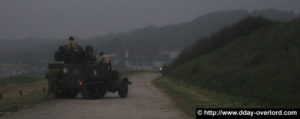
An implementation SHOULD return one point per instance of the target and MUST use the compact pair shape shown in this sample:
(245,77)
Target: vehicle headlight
(95,72)
(65,70)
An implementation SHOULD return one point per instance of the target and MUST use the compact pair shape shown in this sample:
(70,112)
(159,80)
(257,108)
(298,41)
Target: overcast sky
(88,18)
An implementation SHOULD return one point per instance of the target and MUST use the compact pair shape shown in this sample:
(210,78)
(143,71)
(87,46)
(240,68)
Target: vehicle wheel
(101,93)
(92,92)
(66,94)
(70,94)
(87,93)
(123,91)
(59,95)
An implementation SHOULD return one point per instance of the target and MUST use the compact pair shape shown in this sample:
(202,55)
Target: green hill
(261,66)
(149,40)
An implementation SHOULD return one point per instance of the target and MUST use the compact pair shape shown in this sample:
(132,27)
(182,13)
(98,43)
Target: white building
(146,62)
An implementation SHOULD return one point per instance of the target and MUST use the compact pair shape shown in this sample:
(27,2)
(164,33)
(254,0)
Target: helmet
(71,38)
(101,53)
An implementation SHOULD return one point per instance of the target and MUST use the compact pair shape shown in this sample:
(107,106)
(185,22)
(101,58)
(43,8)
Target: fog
(89,18)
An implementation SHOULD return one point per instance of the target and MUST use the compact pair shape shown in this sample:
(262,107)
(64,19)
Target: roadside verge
(21,91)
(187,97)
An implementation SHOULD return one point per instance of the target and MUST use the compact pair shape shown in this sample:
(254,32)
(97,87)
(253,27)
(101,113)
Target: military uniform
(104,59)
(71,44)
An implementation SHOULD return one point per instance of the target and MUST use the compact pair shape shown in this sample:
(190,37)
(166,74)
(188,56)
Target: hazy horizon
(90,18)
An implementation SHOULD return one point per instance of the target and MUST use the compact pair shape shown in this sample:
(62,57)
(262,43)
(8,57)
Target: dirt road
(144,102)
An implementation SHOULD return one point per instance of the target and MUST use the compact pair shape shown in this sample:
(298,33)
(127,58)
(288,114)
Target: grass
(263,66)
(257,70)
(20,79)
(188,97)
(32,90)
(221,38)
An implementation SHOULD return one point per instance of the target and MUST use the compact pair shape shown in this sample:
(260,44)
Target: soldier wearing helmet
(103,60)
(71,44)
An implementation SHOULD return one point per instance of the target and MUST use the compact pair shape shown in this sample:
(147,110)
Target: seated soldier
(89,55)
(103,60)
(71,44)
(72,52)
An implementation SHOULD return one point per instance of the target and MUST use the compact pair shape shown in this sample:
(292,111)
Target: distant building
(142,62)
(145,62)
(13,69)
(172,54)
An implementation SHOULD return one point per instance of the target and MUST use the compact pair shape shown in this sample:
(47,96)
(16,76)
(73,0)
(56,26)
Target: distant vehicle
(163,68)
(76,72)
(160,68)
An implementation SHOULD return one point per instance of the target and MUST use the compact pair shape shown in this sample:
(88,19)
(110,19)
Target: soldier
(89,55)
(71,44)
(103,59)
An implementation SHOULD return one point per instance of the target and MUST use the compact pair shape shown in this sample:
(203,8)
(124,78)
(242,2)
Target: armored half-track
(75,71)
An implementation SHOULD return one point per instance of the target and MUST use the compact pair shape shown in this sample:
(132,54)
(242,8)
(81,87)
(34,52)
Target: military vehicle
(75,71)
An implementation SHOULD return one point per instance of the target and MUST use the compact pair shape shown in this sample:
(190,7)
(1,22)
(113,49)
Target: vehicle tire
(70,94)
(123,91)
(66,94)
(92,92)
(59,95)
(86,92)
(101,93)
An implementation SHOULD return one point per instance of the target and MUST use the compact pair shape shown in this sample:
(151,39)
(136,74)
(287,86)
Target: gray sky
(88,18)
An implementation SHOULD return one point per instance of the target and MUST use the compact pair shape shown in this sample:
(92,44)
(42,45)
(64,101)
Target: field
(33,88)
(188,97)
(262,67)
(259,70)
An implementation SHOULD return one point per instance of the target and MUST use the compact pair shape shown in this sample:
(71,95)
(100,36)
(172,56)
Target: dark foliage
(221,38)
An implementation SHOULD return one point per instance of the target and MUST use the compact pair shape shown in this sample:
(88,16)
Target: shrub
(221,39)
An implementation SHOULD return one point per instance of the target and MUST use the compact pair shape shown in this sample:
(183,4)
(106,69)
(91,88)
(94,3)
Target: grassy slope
(188,97)
(263,66)
(221,38)
(32,89)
